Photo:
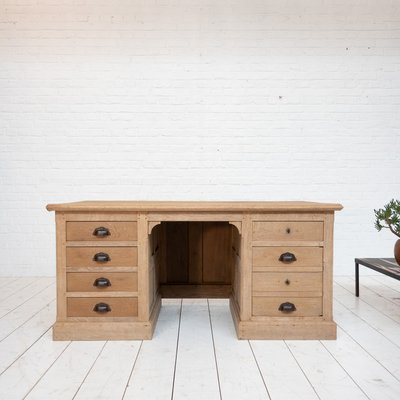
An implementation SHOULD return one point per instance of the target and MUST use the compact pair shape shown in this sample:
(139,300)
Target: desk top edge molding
(195,206)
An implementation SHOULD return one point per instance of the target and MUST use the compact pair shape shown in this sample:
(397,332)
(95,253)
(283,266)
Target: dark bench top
(387,266)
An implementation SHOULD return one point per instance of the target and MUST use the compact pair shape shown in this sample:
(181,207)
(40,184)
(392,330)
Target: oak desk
(117,259)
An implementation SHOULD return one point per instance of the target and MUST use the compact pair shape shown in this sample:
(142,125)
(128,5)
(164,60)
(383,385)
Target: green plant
(389,217)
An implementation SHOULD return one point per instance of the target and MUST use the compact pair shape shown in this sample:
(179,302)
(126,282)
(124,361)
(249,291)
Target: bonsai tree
(389,217)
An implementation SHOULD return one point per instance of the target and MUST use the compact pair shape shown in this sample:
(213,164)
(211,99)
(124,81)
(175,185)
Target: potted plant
(389,217)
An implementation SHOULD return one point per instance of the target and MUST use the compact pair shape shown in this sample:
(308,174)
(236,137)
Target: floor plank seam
(176,351)
(345,370)
(18,289)
(365,287)
(366,302)
(34,295)
(301,369)
(20,355)
(23,323)
(132,369)
(259,370)
(366,351)
(396,289)
(89,370)
(362,319)
(384,280)
(47,370)
(215,354)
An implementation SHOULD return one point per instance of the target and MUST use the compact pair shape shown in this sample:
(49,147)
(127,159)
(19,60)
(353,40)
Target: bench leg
(357,280)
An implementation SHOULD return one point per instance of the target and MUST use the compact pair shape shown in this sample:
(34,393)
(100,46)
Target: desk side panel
(61,262)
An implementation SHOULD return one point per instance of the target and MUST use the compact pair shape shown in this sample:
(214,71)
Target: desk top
(197,206)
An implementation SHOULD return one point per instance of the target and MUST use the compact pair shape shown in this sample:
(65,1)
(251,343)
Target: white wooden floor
(195,354)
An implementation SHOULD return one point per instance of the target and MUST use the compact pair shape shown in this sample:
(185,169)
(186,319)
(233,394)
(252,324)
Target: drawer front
(101,230)
(288,230)
(287,282)
(102,256)
(269,306)
(116,306)
(101,282)
(282,256)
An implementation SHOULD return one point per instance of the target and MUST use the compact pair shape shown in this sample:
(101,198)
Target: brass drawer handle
(101,257)
(287,258)
(102,282)
(102,308)
(287,307)
(101,232)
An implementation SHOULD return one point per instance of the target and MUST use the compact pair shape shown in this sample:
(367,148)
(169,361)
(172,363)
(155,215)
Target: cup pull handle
(287,258)
(102,282)
(101,257)
(101,232)
(287,307)
(102,308)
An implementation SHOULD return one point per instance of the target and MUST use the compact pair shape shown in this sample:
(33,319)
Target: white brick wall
(192,99)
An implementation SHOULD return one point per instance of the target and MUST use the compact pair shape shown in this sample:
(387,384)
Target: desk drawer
(283,256)
(288,230)
(102,282)
(101,231)
(107,306)
(102,256)
(270,306)
(287,282)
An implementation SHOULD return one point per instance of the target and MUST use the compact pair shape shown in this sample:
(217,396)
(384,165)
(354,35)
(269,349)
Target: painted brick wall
(197,100)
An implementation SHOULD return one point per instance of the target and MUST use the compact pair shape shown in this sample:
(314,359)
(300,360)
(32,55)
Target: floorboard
(19,378)
(110,373)
(13,320)
(17,343)
(153,375)
(65,376)
(196,376)
(282,374)
(374,299)
(374,380)
(370,339)
(370,314)
(387,281)
(195,354)
(327,376)
(389,293)
(238,372)
(24,294)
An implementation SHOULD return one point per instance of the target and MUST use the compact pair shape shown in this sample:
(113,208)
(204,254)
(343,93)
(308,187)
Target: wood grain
(217,253)
(196,291)
(177,252)
(84,282)
(82,230)
(195,256)
(305,256)
(119,256)
(288,230)
(305,306)
(287,282)
(201,206)
(120,307)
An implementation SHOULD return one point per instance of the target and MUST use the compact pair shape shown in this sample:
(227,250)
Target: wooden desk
(117,259)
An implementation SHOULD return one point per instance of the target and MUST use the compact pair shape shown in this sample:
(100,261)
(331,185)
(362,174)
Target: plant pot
(397,251)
